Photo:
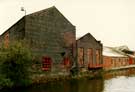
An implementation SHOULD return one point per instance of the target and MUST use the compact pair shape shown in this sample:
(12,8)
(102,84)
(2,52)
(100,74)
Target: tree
(15,63)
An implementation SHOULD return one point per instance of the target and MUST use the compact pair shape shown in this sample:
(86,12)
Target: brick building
(113,58)
(131,55)
(49,35)
(89,52)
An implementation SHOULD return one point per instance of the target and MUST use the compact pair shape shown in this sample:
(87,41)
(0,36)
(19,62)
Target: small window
(119,59)
(46,63)
(111,62)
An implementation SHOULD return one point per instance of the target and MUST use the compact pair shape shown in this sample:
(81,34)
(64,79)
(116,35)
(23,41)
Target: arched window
(46,63)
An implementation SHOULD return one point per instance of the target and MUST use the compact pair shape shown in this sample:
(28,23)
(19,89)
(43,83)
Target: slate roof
(88,34)
(121,51)
(38,13)
(109,51)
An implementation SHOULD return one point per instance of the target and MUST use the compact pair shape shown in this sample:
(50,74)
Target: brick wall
(89,42)
(107,62)
(115,62)
(47,33)
(50,34)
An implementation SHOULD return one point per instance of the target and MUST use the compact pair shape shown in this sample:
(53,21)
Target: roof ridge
(86,35)
(38,12)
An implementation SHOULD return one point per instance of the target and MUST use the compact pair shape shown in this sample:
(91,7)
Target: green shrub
(4,82)
(15,63)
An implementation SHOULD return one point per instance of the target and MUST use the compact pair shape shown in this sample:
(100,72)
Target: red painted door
(66,62)
(130,61)
(46,63)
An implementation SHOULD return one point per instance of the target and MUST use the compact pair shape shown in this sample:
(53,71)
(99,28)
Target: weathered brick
(47,33)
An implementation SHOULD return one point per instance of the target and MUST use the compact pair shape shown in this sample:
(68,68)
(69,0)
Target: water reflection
(71,86)
(111,83)
(120,84)
(88,86)
(95,85)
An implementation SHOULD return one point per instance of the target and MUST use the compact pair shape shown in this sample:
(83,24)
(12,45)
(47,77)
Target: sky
(111,21)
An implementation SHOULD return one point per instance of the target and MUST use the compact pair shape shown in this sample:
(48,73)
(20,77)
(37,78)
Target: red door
(46,63)
(66,62)
(130,61)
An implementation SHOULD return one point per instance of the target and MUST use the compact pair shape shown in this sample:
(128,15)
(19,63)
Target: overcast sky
(111,21)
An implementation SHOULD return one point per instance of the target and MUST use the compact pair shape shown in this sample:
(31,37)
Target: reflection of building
(89,52)
(50,36)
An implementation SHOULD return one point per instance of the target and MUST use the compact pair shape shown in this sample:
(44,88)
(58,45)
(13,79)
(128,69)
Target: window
(90,56)
(46,63)
(97,57)
(111,62)
(119,59)
(81,56)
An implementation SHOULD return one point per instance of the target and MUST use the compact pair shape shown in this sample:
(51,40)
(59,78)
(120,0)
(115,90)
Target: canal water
(116,84)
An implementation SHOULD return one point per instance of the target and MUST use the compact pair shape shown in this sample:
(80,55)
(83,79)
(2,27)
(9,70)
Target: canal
(116,84)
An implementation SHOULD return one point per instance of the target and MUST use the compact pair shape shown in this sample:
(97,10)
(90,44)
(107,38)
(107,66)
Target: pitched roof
(124,50)
(37,14)
(45,11)
(12,25)
(41,11)
(89,35)
(110,51)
